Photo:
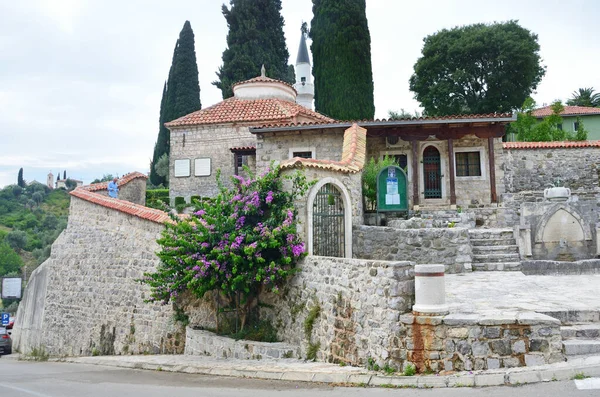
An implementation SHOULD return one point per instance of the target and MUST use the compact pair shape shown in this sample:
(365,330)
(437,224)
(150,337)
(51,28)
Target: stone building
(218,137)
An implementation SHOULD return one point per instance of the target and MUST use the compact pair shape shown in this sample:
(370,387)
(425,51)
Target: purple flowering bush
(240,243)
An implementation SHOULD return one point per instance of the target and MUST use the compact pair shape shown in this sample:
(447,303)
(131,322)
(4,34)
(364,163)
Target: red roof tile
(126,207)
(242,148)
(259,111)
(263,79)
(550,145)
(125,179)
(569,111)
(354,151)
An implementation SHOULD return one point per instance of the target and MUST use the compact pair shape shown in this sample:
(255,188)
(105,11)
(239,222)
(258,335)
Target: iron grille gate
(328,222)
(432,173)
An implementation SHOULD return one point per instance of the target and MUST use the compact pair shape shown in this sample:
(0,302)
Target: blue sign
(5,319)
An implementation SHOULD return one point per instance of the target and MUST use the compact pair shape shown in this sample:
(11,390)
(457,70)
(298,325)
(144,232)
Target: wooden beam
(441,133)
(415,172)
(451,163)
(492,170)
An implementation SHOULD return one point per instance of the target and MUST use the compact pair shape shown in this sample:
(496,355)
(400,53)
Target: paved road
(26,379)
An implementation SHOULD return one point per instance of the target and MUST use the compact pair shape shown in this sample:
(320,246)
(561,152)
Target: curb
(589,366)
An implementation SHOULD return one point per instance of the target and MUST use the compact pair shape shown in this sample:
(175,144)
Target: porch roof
(483,126)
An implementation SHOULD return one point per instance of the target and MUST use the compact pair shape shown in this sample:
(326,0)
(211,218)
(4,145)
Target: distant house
(589,116)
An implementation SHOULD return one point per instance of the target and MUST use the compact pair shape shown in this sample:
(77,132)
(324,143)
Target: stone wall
(466,342)
(133,191)
(325,144)
(85,299)
(449,246)
(345,310)
(205,141)
(537,169)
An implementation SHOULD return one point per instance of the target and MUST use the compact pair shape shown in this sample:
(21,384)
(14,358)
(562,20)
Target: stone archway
(562,223)
(329,211)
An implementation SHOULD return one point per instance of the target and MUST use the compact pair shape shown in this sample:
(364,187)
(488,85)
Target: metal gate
(432,173)
(328,222)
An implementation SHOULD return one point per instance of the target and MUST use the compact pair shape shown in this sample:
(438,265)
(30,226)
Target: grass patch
(580,376)
(263,331)
(38,354)
(311,352)
(309,322)
(410,370)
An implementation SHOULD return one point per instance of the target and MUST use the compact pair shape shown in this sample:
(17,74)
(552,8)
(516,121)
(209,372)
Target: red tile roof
(550,145)
(569,111)
(259,111)
(468,118)
(126,207)
(354,151)
(125,179)
(263,79)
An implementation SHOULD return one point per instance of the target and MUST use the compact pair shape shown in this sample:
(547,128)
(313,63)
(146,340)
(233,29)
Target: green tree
(162,167)
(255,38)
(523,127)
(70,184)
(402,114)
(17,239)
(477,69)
(181,94)
(341,48)
(581,134)
(10,261)
(20,180)
(585,97)
(105,178)
(38,197)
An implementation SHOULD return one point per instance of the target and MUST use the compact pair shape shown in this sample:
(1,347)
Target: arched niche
(562,223)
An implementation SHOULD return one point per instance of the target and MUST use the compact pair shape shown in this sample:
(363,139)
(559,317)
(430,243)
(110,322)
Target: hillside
(31,218)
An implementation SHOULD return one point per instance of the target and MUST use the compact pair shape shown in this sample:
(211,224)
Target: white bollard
(430,290)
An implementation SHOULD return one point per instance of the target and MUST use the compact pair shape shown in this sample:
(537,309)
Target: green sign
(391,190)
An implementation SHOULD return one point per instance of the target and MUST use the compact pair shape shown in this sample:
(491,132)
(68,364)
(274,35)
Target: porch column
(451,163)
(415,172)
(492,169)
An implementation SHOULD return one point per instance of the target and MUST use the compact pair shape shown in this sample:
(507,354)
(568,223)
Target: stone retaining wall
(344,310)
(536,169)
(541,267)
(449,246)
(466,342)
(205,343)
(85,300)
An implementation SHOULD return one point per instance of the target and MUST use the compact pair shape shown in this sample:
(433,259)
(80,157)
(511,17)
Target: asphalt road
(25,379)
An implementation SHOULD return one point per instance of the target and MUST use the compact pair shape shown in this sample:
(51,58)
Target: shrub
(241,242)
(179,201)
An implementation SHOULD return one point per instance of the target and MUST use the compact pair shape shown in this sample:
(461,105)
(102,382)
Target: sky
(81,80)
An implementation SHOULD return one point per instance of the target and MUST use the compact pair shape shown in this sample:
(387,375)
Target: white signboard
(202,167)
(182,167)
(11,287)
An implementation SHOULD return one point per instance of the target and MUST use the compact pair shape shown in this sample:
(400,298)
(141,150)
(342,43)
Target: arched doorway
(432,173)
(328,222)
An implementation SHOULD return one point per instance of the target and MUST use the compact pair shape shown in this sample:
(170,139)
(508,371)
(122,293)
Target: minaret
(304,85)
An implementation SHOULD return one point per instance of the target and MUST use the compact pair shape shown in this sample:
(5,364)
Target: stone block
(460,333)
(511,362)
(522,377)
(538,345)
(501,347)
(480,348)
(482,380)
(493,363)
(463,347)
(518,347)
(533,360)
(491,332)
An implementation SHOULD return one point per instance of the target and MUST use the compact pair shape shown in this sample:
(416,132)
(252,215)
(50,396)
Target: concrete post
(430,290)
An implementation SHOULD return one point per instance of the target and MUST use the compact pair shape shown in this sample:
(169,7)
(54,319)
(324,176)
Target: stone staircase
(494,249)
(581,338)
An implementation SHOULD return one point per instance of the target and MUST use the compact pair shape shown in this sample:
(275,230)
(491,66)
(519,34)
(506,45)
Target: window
(303,155)
(202,167)
(575,126)
(401,160)
(303,79)
(468,164)
(241,160)
(182,167)
(559,126)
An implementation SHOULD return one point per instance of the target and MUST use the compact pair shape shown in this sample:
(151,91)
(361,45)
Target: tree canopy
(585,97)
(20,180)
(181,94)
(341,48)
(477,68)
(255,38)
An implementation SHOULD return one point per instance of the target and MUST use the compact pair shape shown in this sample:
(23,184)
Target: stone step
(485,242)
(487,258)
(490,232)
(484,249)
(574,347)
(497,266)
(581,331)
(574,316)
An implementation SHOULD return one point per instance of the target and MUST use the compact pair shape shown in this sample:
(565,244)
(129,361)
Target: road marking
(588,384)
(33,393)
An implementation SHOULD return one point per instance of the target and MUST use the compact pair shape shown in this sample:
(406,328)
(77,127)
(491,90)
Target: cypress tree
(20,180)
(341,48)
(181,94)
(255,38)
